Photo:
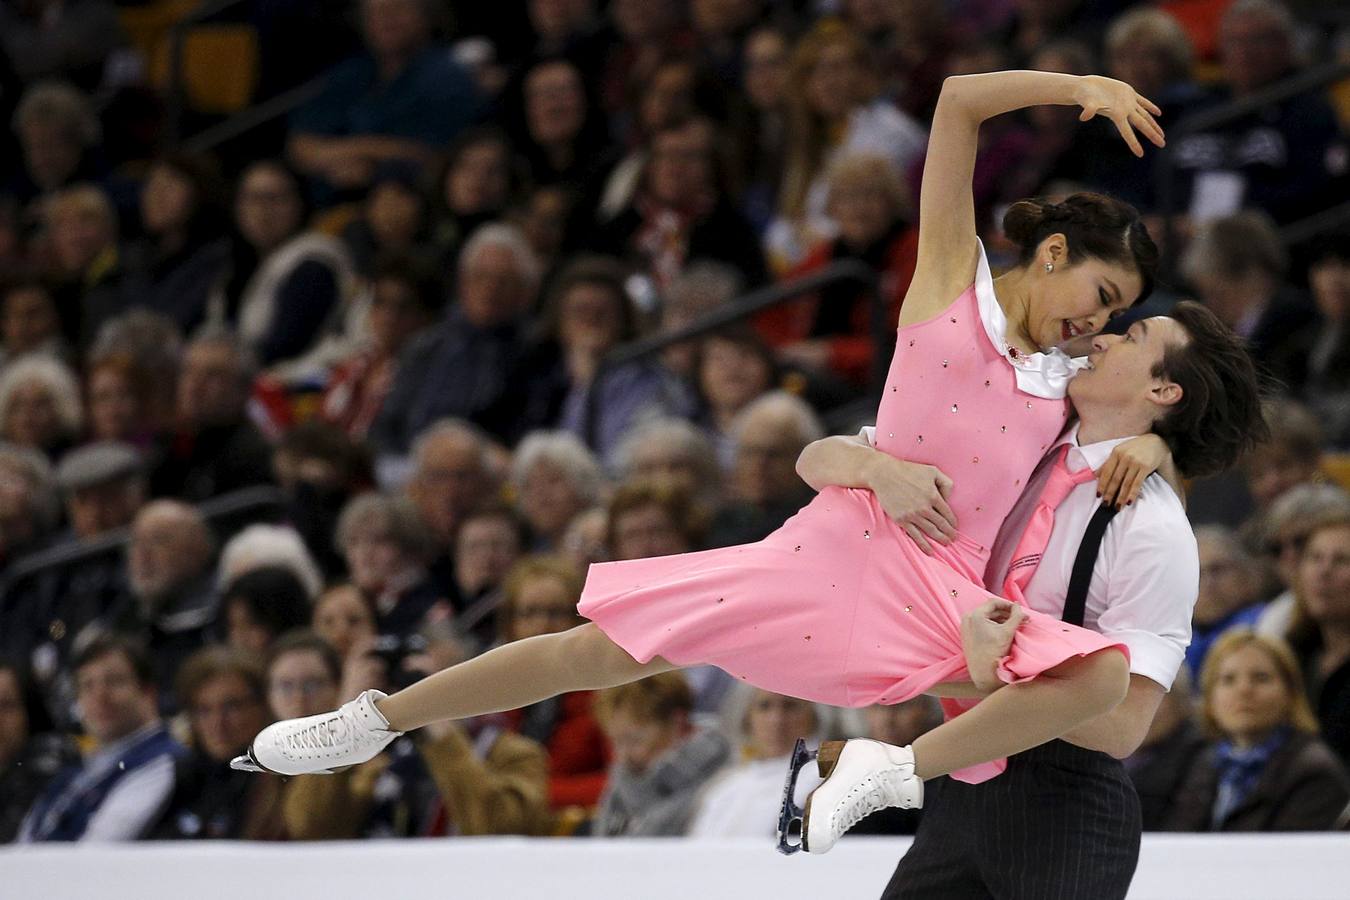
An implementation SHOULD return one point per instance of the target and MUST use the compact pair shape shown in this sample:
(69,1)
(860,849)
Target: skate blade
(247,763)
(791,817)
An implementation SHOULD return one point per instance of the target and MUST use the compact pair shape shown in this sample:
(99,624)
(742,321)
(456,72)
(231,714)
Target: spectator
(831,332)
(435,784)
(40,405)
(489,541)
(739,801)
(544,215)
(1322,349)
(386,552)
(648,31)
(260,606)
(1172,743)
(183,251)
(82,231)
(319,470)
(703,287)
(1320,631)
(53,603)
(125,780)
(1034,24)
(29,506)
(172,597)
(1268,770)
(399,100)
(721,28)
(394,219)
(767,436)
(1230,592)
(540,596)
(563,138)
(1237,265)
(588,314)
(735,367)
(154,345)
(902,722)
(215,449)
(261,545)
(661,757)
(682,212)
(81,40)
(403,301)
(653,519)
(461,366)
(554,477)
(58,133)
(834,111)
(761,137)
(287,287)
(121,399)
(223,693)
(451,476)
(1284,158)
(478,180)
(29,323)
(672,454)
(31,752)
(1285,529)
(345,618)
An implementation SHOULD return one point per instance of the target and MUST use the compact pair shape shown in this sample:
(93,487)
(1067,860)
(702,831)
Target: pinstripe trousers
(1062,823)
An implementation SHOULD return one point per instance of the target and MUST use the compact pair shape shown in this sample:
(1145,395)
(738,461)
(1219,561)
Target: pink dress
(839,605)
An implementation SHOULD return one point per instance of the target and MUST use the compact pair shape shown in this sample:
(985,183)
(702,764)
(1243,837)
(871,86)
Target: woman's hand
(1123,474)
(915,497)
(987,633)
(1123,105)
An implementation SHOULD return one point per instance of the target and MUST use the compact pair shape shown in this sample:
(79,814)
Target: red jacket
(851,353)
(578,753)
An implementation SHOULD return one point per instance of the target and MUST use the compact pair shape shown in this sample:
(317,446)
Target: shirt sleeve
(133,804)
(1151,593)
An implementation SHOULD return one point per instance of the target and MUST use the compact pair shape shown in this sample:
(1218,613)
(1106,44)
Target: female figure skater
(840,605)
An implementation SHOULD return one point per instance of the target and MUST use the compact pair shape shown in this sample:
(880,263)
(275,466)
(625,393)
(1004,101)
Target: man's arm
(1119,732)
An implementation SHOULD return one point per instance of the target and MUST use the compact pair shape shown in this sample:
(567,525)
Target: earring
(1049,267)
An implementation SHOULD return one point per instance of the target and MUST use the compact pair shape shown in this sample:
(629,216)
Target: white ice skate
(322,744)
(861,777)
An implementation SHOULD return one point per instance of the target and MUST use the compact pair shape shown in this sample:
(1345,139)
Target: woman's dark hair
(274,596)
(1219,417)
(415,273)
(209,218)
(39,720)
(477,136)
(298,182)
(1094,225)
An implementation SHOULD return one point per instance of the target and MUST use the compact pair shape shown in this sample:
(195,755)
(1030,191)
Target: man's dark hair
(112,643)
(1218,418)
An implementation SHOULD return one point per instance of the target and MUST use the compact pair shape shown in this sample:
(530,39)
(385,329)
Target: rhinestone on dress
(975,459)
(953,407)
(797,549)
(953,320)
(954,593)
(911,343)
(1003,429)
(867,535)
(1028,404)
(920,439)
(986,382)
(909,609)
(944,364)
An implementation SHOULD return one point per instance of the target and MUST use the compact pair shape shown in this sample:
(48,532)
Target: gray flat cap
(97,464)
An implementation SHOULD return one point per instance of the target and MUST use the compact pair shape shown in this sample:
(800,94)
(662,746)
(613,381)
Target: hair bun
(1023,220)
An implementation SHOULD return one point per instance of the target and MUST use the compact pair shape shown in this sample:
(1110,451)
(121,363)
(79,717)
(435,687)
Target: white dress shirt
(1146,577)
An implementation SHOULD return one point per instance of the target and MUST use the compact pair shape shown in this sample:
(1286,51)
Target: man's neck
(1335,647)
(1096,425)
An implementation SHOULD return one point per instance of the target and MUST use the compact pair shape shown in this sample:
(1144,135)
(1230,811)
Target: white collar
(1045,374)
(1092,455)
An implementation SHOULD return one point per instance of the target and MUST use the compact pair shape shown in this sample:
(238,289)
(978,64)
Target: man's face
(1226,581)
(112,702)
(492,288)
(103,507)
(395,27)
(766,461)
(210,391)
(484,549)
(1121,369)
(449,481)
(1254,50)
(163,553)
(225,715)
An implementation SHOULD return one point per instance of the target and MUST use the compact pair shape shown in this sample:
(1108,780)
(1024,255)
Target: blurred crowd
(305,383)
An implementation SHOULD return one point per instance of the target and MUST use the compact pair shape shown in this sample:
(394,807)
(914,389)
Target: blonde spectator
(554,478)
(40,405)
(1267,769)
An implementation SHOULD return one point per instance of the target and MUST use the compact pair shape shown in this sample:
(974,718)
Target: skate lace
(880,790)
(326,735)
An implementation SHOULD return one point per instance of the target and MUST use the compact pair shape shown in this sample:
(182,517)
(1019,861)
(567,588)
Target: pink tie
(1037,533)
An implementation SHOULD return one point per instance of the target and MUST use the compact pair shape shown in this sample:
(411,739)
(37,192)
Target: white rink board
(1196,867)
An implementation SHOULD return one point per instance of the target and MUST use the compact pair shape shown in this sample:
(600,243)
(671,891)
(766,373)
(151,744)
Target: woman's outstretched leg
(517,674)
(508,677)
